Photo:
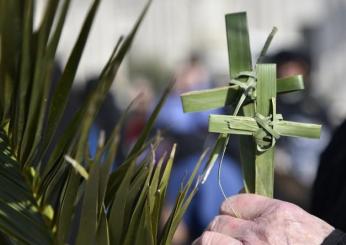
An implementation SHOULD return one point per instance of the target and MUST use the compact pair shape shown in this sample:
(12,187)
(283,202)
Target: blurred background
(185,41)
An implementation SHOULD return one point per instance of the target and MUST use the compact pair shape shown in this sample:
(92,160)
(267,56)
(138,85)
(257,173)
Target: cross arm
(229,95)
(232,124)
(296,129)
(290,84)
(210,98)
(248,126)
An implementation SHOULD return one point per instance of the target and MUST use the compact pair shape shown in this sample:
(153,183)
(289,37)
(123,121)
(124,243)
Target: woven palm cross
(253,90)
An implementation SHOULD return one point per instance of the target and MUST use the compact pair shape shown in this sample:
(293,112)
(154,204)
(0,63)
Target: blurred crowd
(296,159)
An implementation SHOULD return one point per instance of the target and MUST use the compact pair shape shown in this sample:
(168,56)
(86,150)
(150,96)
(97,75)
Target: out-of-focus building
(329,54)
(173,28)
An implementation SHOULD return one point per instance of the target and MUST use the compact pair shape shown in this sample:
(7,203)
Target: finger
(214,238)
(231,226)
(246,206)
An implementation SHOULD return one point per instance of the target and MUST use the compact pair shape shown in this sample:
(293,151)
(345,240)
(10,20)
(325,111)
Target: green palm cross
(254,91)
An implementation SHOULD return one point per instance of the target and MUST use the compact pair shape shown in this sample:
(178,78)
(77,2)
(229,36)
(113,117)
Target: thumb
(246,206)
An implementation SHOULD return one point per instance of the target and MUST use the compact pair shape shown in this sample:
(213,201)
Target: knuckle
(287,207)
(226,206)
(207,238)
(287,210)
(214,223)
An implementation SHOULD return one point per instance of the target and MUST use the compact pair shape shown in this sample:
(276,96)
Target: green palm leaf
(44,199)
(19,213)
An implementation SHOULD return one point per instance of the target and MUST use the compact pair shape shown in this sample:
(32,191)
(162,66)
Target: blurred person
(298,157)
(140,111)
(189,131)
(328,200)
(106,118)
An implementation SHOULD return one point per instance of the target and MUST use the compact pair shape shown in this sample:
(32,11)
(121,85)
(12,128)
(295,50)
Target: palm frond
(43,199)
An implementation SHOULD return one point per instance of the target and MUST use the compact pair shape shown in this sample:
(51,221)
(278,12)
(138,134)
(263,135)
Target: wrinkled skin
(255,220)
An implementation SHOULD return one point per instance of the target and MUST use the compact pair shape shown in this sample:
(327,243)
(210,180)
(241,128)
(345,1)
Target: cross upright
(254,91)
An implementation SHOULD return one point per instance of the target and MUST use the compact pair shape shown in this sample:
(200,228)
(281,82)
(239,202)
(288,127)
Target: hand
(254,220)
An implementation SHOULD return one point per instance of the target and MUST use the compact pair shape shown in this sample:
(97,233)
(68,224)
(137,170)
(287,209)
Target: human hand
(255,220)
